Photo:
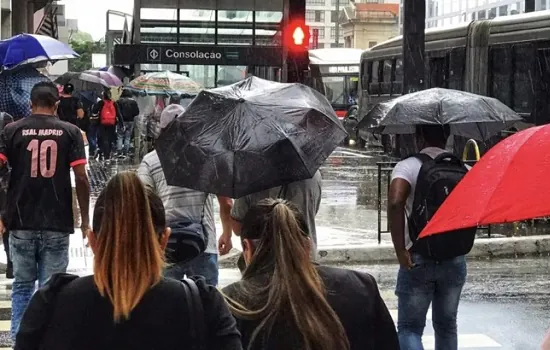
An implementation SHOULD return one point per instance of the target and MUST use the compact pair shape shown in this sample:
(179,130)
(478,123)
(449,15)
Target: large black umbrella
(468,115)
(82,81)
(248,137)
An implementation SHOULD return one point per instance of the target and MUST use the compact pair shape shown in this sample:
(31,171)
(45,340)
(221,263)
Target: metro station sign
(198,55)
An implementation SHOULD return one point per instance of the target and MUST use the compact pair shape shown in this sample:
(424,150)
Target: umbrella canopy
(248,137)
(508,184)
(469,115)
(31,48)
(109,78)
(16,86)
(82,81)
(164,83)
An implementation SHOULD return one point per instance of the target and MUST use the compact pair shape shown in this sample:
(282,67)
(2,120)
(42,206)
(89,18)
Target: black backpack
(437,178)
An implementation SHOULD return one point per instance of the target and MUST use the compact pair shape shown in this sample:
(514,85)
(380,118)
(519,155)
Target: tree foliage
(85,49)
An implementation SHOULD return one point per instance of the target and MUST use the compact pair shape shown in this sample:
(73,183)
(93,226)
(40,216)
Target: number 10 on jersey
(43,157)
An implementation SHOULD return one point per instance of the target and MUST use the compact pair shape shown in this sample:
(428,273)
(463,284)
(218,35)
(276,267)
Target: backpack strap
(196,312)
(422,157)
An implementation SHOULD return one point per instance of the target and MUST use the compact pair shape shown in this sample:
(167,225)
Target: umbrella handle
(471,142)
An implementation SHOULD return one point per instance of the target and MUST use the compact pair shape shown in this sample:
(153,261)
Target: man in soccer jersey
(41,150)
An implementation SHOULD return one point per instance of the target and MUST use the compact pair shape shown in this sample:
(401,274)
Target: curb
(384,252)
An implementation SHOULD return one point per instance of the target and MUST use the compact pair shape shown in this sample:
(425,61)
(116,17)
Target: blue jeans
(429,281)
(36,256)
(205,265)
(92,136)
(124,137)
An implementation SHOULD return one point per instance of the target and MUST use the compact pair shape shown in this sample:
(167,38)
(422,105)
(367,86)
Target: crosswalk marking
(5,326)
(465,341)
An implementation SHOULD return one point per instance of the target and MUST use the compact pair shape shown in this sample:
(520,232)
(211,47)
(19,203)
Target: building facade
(441,13)
(366,24)
(324,15)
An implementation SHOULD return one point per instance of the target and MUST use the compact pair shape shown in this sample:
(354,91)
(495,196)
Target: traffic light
(296,37)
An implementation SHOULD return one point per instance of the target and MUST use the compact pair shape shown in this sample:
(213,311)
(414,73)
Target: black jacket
(128,108)
(355,298)
(70,314)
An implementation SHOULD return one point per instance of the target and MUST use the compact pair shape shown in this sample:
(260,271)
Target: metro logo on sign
(297,36)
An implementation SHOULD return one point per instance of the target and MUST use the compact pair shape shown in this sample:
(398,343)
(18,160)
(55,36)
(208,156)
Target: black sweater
(355,298)
(83,320)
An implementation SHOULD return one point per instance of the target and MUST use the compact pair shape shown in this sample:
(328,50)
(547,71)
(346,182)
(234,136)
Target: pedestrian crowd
(155,273)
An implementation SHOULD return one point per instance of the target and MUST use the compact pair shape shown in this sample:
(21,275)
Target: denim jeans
(92,136)
(124,137)
(36,256)
(439,283)
(205,265)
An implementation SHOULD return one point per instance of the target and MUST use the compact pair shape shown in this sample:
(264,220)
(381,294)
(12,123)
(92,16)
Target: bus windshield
(341,90)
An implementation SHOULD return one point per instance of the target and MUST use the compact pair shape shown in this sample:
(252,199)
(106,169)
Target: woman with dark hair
(127,304)
(284,301)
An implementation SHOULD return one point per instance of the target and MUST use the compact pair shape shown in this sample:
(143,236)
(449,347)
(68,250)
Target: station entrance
(214,42)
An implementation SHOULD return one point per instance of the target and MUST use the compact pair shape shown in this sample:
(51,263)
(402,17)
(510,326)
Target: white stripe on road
(358,155)
(465,341)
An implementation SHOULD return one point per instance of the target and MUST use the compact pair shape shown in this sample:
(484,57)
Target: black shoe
(9,271)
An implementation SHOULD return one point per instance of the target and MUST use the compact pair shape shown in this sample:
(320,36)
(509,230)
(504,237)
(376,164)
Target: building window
(503,10)
(481,14)
(315,16)
(542,5)
(334,16)
(492,13)
(319,16)
(372,43)
(333,32)
(321,32)
(315,2)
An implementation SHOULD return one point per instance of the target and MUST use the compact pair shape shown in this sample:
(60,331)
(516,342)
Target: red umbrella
(510,183)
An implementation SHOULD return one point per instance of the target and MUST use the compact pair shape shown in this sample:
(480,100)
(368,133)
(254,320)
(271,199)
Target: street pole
(19,17)
(414,25)
(337,32)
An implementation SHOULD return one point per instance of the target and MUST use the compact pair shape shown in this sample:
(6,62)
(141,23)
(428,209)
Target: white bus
(335,72)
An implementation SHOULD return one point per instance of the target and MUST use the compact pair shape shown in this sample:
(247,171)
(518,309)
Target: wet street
(348,208)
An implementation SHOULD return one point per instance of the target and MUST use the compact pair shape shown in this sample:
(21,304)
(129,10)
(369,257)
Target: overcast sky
(91,14)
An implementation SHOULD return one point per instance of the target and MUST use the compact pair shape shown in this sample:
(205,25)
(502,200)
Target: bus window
(524,79)
(456,68)
(353,84)
(365,75)
(397,85)
(385,85)
(439,68)
(500,77)
(374,86)
(335,90)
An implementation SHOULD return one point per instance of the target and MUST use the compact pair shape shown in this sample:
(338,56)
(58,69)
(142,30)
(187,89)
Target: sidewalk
(384,252)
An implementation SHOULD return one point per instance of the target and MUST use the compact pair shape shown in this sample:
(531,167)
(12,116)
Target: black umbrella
(82,81)
(468,115)
(248,137)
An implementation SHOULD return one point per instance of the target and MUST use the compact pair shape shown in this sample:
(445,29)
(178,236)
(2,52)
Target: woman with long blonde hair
(284,301)
(127,304)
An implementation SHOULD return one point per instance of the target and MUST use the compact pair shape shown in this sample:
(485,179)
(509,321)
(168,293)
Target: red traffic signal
(297,36)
